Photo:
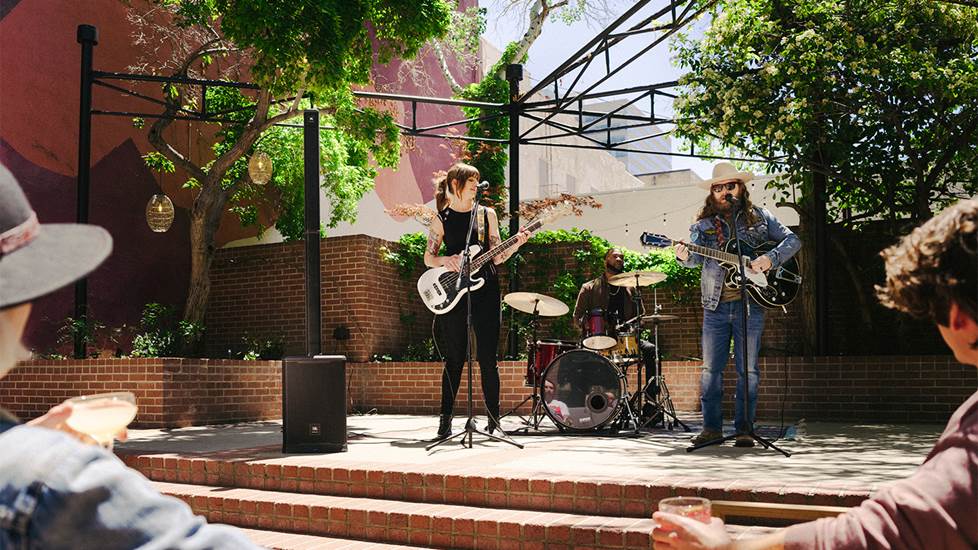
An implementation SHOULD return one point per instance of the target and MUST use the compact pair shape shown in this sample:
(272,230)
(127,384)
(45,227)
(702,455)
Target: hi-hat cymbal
(659,317)
(633,279)
(544,305)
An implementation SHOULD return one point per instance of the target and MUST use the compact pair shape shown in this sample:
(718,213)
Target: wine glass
(102,415)
(691,507)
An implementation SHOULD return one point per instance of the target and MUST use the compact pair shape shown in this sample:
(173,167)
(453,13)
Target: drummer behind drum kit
(583,386)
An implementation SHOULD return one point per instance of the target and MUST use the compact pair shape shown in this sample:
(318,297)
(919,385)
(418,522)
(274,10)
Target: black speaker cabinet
(314,404)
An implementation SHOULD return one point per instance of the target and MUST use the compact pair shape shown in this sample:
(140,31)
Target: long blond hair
(446,186)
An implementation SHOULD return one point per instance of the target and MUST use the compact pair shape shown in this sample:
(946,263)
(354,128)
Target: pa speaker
(314,404)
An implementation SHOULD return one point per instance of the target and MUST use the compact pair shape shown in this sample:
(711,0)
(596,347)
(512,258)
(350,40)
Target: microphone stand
(464,275)
(745,352)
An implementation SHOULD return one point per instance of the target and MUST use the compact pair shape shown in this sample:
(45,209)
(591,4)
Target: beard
(614,268)
(11,350)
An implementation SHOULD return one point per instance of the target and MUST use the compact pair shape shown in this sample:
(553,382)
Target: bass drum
(581,390)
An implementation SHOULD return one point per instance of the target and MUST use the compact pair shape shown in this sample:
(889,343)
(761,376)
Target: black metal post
(87,36)
(821,258)
(310,158)
(514,74)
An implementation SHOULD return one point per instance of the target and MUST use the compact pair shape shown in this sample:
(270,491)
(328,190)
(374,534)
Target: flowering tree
(880,97)
(297,51)
(877,99)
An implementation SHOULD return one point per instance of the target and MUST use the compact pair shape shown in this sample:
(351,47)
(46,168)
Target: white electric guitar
(441,289)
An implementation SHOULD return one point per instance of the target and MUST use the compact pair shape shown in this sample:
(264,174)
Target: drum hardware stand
(536,415)
(662,402)
(463,273)
(745,306)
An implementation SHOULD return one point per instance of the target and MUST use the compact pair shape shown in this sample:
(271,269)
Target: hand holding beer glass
(686,522)
(102,416)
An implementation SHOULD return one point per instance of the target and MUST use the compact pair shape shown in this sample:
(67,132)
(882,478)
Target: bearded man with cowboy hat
(55,491)
(728,202)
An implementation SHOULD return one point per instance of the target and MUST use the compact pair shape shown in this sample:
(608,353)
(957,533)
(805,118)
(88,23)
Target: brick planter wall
(182,392)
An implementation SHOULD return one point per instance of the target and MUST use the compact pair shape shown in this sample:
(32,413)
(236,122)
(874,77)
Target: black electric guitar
(775,288)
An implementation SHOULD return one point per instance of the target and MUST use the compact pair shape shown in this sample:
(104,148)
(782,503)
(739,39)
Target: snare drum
(543,353)
(596,331)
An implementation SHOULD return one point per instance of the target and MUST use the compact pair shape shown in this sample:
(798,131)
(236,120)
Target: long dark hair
(712,207)
(449,183)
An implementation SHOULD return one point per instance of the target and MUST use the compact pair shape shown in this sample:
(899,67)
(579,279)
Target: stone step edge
(634,498)
(277,540)
(398,522)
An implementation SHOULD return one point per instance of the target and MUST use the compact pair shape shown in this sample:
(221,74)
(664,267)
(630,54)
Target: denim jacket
(704,233)
(58,493)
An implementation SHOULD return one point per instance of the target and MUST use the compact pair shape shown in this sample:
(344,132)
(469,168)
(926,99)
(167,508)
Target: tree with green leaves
(302,54)
(877,99)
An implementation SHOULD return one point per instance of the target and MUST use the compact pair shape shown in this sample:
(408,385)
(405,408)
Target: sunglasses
(729,186)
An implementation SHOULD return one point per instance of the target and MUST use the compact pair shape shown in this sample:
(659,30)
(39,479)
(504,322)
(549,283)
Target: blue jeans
(718,327)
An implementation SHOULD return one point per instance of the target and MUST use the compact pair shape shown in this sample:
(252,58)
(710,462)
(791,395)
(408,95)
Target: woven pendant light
(260,168)
(159,213)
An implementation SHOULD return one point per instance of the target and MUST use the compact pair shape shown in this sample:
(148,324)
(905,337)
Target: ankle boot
(493,424)
(444,426)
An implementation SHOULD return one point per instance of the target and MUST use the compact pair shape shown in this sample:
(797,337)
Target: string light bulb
(260,168)
(159,213)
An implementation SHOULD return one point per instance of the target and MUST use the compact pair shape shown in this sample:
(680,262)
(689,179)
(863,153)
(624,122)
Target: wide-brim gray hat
(37,259)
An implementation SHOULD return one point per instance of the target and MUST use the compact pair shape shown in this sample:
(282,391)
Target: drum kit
(582,386)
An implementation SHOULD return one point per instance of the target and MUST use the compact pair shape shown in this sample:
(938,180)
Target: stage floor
(826,458)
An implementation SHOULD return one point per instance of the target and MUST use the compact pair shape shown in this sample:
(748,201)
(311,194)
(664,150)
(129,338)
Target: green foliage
(490,158)
(86,328)
(264,348)
(537,264)
(319,45)
(420,351)
(882,97)
(408,255)
(162,335)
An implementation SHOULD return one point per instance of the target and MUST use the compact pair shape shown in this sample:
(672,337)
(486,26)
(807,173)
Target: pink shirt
(935,508)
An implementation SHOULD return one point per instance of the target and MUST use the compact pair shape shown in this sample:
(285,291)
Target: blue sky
(559,41)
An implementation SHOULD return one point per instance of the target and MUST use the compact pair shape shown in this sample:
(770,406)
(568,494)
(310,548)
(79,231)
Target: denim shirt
(58,493)
(767,228)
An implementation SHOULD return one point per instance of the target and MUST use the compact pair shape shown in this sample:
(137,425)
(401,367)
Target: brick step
(398,522)
(572,495)
(276,540)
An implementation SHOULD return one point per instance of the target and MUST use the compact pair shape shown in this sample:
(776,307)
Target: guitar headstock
(554,211)
(656,240)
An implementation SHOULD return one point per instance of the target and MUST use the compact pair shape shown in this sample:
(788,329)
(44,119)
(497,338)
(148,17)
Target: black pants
(648,358)
(485,324)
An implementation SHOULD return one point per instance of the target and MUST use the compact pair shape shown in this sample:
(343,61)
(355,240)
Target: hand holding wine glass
(103,416)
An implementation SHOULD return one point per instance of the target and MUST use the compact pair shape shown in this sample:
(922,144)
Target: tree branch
(445,70)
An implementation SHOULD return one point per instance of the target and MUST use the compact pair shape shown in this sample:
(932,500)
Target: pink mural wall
(39,91)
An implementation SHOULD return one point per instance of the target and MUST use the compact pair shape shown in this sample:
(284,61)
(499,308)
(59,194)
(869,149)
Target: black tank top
(455,223)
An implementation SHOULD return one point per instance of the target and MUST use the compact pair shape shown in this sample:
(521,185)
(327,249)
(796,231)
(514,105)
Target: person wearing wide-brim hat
(56,491)
(728,203)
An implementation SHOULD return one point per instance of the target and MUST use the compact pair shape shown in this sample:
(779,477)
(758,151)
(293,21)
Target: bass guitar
(773,289)
(441,289)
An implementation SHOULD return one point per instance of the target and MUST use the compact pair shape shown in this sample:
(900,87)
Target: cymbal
(659,317)
(637,278)
(528,301)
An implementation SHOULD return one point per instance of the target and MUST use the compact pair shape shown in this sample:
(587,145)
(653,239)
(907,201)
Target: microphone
(482,185)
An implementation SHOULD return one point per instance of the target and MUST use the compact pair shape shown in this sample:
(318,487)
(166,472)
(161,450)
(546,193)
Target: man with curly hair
(932,274)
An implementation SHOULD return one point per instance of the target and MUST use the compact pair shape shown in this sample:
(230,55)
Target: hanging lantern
(159,213)
(260,168)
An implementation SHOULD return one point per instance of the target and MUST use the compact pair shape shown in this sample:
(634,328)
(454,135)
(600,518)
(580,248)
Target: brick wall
(170,392)
(258,291)
(183,392)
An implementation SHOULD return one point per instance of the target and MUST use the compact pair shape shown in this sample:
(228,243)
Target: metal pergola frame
(550,113)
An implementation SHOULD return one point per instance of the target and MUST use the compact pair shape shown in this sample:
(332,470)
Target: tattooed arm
(436,234)
(494,239)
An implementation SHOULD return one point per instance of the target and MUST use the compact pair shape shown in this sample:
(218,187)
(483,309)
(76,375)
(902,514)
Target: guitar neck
(502,247)
(718,255)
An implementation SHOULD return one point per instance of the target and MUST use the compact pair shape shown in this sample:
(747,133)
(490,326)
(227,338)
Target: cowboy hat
(37,259)
(724,171)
